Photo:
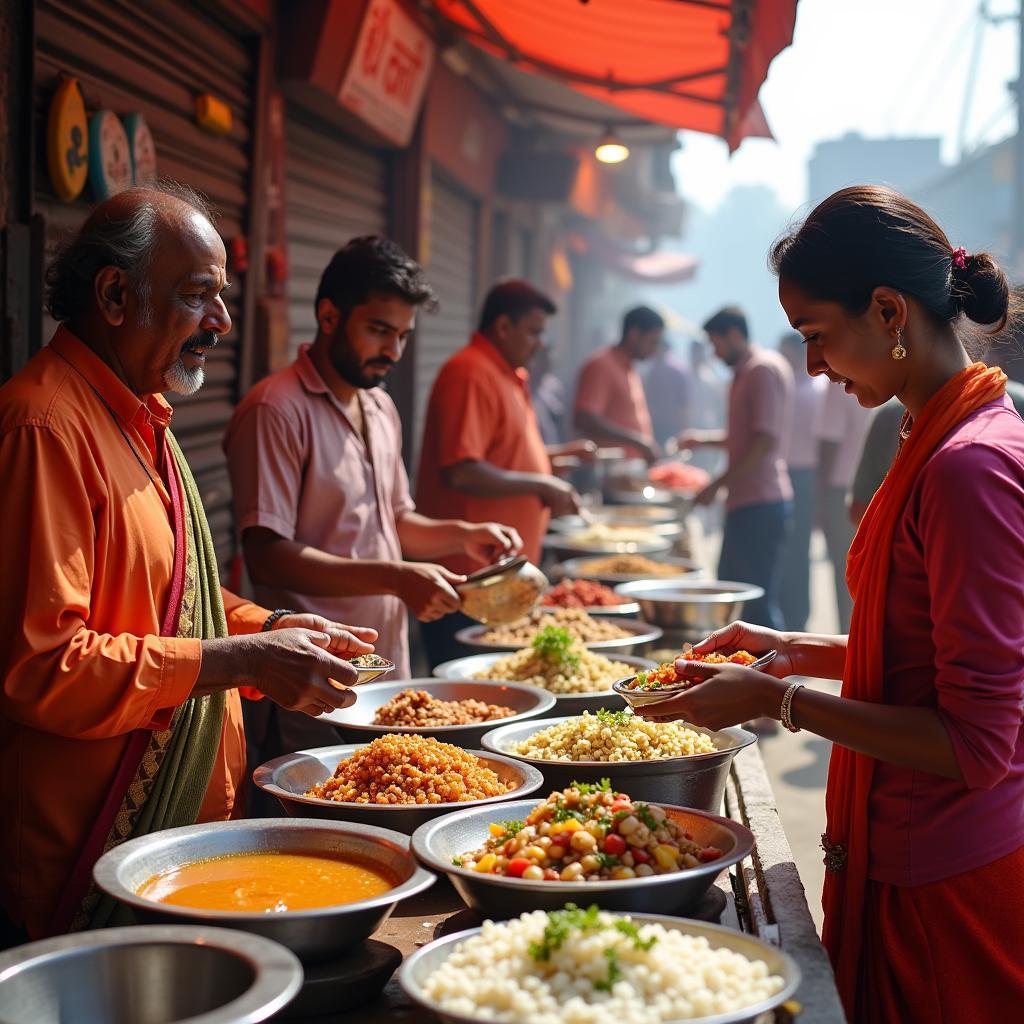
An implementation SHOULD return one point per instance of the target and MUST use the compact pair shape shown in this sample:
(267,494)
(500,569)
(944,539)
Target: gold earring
(898,351)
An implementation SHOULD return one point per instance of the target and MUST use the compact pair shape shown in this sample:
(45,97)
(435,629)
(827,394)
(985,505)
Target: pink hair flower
(960,258)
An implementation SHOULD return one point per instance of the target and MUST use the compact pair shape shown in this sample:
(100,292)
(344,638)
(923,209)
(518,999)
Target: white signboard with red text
(388,72)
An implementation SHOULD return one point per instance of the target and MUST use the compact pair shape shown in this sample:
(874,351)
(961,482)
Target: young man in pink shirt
(321,496)
(611,407)
(758,506)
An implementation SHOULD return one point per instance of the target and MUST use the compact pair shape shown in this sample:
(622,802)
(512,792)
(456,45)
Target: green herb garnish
(606,860)
(632,931)
(641,679)
(586,788)
(511,829)
(614,971)
(643,812)
(613,717)
(554,643)
(563,813)
(457,861)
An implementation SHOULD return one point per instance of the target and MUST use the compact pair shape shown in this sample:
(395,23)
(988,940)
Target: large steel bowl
(575,568)
(424,962)
(640,633)
(566,545)
(289,778)
(437,842)
(311,934)
(356,722)
(565,703)
(693,607)
(156,974)
(694,781)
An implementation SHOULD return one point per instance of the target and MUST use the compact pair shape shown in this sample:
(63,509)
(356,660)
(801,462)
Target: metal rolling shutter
(451,269)
(335,190)
(153,58)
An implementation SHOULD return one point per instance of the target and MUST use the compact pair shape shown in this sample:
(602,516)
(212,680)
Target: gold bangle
(786,711)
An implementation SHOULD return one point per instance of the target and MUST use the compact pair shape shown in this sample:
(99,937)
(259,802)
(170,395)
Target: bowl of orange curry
(317,887)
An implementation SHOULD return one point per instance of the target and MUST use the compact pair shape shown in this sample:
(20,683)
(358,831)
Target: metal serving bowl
(368,673)
(311,934)
(565,545)
(502,592)
(157,974)
(694,781)
(565,703)
(437,842)
(424,962)
(640,633)
(356,722)
(290,777)
(694,607)
(575,569)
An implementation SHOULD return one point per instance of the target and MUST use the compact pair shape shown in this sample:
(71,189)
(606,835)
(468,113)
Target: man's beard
(347,363)
(180,379)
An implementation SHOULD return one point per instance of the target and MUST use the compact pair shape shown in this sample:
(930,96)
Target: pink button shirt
(954,640)
(801,451)
(760,401)
(843,421)
(610,386)
(300,468)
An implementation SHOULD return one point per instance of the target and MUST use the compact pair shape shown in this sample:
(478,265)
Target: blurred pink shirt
(760,401)
(610,386)
(844,421)
(954,640)
(300,468)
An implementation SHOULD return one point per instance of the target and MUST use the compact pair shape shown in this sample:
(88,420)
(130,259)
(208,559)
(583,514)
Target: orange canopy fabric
(695,64)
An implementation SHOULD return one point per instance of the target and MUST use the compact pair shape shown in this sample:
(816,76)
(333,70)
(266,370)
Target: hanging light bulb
(611,149)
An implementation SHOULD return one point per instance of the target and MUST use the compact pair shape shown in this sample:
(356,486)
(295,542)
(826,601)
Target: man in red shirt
(611,407)
(483,458)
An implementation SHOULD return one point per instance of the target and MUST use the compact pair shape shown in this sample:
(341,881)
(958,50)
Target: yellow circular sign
(67,140)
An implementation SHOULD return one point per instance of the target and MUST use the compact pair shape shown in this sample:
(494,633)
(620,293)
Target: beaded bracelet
(278,613)
(786,711)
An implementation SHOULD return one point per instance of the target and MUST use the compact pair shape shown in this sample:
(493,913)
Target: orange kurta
(480,410)
(85,576)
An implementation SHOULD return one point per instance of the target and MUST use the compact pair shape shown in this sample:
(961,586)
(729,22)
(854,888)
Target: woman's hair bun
(981,290)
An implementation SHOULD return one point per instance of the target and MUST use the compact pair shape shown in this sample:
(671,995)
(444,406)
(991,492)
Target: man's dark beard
(201,339)
(347,363)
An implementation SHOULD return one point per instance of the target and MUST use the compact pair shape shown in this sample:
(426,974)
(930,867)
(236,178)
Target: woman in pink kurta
(924,848)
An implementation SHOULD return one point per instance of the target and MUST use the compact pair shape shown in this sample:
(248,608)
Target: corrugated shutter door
(335,190)
(154,58)
(452,272)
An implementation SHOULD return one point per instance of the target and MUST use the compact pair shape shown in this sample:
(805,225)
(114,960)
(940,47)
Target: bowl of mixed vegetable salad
(586,842)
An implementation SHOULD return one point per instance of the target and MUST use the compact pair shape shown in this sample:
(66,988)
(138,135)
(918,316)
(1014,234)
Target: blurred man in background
(610,407)
(801,454)
(668,387)
(841,425)
(759,492)
(483,456)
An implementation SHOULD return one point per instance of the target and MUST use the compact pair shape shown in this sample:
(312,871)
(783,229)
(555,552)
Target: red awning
(694,64)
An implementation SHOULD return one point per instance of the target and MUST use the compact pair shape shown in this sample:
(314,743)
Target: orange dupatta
(867,573)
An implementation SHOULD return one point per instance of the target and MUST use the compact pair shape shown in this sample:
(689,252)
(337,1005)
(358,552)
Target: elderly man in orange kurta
(119,652)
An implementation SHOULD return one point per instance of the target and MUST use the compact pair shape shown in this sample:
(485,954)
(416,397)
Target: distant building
(973,201)
(853,160)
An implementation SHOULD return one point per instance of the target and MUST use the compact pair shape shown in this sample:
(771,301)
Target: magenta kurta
(954,639)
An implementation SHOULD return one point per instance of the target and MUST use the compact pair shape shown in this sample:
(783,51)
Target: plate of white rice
(576,966)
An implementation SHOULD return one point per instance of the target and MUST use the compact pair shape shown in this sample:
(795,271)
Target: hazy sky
(877,67)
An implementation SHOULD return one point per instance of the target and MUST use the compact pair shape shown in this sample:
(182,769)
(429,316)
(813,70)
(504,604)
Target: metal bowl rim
(791,979)
(744,737)
(545,703)
(641,589)
(106,870)
(688,570)
(641,663)
(626,608)
(271,962)
(743,847)
(645,633)
(533,779)
(563,542)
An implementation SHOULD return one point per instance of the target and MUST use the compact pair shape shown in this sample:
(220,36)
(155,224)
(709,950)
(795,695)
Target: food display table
(762,895)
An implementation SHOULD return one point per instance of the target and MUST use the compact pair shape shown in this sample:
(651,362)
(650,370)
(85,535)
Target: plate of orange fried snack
(664,682)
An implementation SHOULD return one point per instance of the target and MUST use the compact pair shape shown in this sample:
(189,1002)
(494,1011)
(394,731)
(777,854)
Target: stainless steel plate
(437,842)
(417,968)
(641,633)
(356,722)
(574,568)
